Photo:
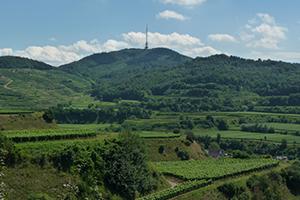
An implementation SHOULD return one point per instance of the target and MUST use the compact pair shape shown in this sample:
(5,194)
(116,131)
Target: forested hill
(105,65)
(160,78)
(18,62)
(217,82)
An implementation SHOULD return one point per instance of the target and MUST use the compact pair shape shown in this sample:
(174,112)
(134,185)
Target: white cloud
(263,32)
(6,52)
(222,38)
(62,54)
(169,14)
(159,39)
(188,3)
(183,43)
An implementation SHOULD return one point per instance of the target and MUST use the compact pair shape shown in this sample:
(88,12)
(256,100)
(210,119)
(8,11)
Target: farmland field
(211,168)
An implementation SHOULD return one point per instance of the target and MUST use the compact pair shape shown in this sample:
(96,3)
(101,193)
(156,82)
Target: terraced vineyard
(236,134)
(49,134)
(50,147)
(177,190)
(211,168)
(157,134)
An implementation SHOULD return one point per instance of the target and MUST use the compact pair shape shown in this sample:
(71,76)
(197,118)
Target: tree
(283,144)
(218,138)
(214,147)
(126,170)
(222,125)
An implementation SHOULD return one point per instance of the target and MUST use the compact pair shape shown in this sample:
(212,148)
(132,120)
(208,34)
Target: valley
(149,124)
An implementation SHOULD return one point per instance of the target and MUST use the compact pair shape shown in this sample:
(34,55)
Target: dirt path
(6,86)
(173,181)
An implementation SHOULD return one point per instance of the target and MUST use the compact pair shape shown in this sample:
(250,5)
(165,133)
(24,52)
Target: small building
(284,158)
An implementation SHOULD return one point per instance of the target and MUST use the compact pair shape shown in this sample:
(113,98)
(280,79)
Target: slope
(28,84)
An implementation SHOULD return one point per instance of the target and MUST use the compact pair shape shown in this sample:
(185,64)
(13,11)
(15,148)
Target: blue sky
(61,31)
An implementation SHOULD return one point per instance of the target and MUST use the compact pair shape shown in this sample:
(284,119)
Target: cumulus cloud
(183,43)
(6,52)
(222,38)
(158,39)
(169,14)
(62,54)
(263,32)
(188,3)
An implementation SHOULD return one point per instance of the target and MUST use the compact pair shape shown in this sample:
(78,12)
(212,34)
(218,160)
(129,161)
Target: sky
(63,31)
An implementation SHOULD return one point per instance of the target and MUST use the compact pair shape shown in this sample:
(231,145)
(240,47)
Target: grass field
(23,182)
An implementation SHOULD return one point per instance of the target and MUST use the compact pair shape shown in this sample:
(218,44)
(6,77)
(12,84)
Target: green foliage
(9,155)
(125,169)
(222,125)
(18,62)
(292,177)
(93,115)
(231,191)
(267,186)
(257,128)
(240,154)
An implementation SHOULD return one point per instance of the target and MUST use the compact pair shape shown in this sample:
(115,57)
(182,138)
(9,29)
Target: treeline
(117,114)
(111,94)
(258,128)
(35,138)
(278,109)
(291,100)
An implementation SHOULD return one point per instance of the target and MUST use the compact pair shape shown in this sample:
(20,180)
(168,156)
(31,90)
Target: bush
(292,177)
(161,149)
(190,136)
(176,131)
(240,154)
(231,190)
(257,128)
(183,155)
(222,125)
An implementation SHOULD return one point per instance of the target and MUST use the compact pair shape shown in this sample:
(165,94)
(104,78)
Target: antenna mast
(146,44)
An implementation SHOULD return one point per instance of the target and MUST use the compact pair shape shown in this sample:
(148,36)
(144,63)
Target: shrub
(161,149)
(222,125)
(231,190)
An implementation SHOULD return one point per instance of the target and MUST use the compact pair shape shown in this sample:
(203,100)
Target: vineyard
(49,134)
(177,190)
(212,169)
